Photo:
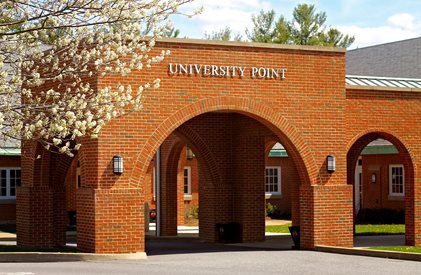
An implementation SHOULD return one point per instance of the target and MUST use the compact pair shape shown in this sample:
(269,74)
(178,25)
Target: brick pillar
(170,155)
(40,207)
(248,168)
(326,213)
(412,205)
(110,220)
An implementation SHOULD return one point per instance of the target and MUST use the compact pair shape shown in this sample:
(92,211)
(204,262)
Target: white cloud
(398,27)
(235,14)
(404,20)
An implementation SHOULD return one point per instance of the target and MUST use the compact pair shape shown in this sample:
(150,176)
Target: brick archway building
(226,120)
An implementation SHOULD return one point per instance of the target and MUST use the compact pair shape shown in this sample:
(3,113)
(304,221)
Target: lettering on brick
(219,71)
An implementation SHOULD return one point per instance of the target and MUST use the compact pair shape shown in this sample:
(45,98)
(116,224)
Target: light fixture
(373,178)
(189,153)
(331,163)
(118,164)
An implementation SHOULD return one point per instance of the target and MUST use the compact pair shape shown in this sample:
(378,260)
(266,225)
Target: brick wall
(377,195)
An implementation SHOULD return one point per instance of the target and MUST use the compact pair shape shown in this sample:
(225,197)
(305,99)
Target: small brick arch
(359,142)
(286,132)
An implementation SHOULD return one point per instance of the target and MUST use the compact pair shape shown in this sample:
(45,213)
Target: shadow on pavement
(187,245)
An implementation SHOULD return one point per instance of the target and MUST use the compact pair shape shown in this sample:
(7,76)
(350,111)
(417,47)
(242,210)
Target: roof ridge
(387,43)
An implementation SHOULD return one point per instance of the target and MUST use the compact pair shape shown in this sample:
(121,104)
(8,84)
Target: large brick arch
(290,137)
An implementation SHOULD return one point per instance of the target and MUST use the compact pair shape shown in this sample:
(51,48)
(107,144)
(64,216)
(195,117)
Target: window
(187,180)
(9,179)
(396,180)
(273,180)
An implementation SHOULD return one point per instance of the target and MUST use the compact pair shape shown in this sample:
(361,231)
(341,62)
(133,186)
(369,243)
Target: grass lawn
(15,248)
(360,229)
(413,249)
(379,229)
(278,228)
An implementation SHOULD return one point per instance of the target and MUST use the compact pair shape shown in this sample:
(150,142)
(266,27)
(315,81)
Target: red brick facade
(376,194)
(8,206)
(227,121)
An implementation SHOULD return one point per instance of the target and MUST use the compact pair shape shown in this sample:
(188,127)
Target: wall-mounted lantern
(189,153)
(331,163)
(373,178)
(118,164)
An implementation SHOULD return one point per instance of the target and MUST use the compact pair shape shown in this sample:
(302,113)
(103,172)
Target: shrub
(274,212)
(191,212)
(381,216)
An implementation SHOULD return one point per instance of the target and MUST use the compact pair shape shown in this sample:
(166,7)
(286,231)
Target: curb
(371,253)
(28,257)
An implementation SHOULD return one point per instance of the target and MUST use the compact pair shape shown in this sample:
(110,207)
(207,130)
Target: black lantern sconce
(373,178)
(118,164)
(331,163)
(189,153)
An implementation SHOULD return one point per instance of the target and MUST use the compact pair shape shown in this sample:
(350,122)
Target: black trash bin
(295,235)
(72,218)
(229,232)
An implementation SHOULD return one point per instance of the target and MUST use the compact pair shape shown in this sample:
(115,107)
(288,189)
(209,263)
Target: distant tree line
(307,27)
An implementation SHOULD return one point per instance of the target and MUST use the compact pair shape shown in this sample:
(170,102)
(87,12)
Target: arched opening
(381,170)
(281,188)
(231,151)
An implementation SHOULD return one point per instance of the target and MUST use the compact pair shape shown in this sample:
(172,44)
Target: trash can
(229,232)
(295,235)
(72,218)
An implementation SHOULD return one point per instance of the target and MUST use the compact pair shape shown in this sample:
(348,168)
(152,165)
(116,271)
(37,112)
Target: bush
(191,212)
(381,216)
(274,212)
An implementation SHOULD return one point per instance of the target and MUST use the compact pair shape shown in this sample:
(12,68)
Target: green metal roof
(380,150)
(10,151)
(278,153)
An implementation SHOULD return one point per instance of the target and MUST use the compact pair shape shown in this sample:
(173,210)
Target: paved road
(244,262)
(190,257)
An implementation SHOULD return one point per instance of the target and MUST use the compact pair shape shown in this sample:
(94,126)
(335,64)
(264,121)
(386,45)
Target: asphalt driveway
(190,256)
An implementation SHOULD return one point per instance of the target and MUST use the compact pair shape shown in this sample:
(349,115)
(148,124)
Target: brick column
(40,202)
(170,155)
(326,213)
(248,168)
(110,220)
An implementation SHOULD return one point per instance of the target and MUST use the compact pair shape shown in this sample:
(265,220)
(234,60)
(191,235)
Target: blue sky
(370,21)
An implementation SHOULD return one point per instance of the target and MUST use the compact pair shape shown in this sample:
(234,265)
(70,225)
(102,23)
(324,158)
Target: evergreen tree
(307,27)
(223,34)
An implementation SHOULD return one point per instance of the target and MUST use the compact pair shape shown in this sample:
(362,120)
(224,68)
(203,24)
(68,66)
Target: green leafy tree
(263,30)
(307,27)
(225,34)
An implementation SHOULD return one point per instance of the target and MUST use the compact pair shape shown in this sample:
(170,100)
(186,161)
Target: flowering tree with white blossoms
(66,44)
